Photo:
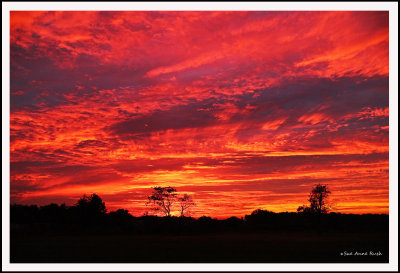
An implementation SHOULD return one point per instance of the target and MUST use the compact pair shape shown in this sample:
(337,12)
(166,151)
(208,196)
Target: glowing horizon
(243,110)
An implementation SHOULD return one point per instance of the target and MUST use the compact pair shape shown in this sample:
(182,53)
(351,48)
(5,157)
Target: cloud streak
(243,109)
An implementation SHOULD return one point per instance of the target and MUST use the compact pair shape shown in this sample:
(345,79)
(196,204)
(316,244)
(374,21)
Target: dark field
(261,247)
(59,234)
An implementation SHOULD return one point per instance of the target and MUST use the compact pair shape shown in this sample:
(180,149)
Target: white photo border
(392,7)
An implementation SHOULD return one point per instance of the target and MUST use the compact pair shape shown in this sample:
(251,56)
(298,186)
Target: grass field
(277,247)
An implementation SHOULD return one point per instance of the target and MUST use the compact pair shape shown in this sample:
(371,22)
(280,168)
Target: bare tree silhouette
(162,199)
(185,203)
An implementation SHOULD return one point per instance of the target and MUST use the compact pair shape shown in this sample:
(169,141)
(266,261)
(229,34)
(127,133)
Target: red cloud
(243,110)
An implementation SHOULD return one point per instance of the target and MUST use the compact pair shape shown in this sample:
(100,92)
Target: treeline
(90,216)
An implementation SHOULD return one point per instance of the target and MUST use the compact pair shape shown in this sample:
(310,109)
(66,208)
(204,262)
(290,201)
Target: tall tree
(318,200)
(162,199)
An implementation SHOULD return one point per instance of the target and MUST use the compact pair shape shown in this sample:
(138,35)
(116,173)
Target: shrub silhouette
(53,213)
(88,209)
(121,216)
(92,204)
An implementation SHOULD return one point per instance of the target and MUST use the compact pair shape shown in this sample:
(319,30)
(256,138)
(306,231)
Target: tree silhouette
(185,203)
(91,205)
(162,198)
(318,200)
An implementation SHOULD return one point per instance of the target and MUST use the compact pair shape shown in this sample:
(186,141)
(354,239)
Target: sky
(243,110)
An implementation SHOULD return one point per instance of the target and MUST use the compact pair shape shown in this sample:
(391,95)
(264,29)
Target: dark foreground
(261,247)
(60,234)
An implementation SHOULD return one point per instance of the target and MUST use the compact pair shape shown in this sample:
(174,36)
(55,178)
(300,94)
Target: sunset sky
(243,110)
